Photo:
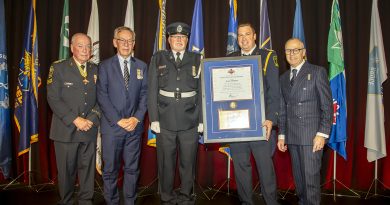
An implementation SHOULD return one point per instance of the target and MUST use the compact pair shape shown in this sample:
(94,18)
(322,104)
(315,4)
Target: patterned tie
(126,74)
(294,71)
(178,60)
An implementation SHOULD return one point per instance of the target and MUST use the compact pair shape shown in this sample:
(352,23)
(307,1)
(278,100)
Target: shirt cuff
(281,137)
(322,135)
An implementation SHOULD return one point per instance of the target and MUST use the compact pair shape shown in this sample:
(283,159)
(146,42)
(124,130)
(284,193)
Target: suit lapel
(300,78)
(75,70)
(117,70)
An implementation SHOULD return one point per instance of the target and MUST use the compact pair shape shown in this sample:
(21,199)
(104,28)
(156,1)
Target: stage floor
(23,195)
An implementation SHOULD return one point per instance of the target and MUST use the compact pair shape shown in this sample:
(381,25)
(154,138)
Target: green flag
(335,43)
(64,45)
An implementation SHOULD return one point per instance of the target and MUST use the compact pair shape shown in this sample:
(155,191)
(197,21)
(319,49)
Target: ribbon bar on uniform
(177,95)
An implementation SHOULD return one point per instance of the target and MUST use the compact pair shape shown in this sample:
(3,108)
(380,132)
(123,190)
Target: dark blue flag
(5,134)
(299,31)
(26,98)
(196,43)
(232,45)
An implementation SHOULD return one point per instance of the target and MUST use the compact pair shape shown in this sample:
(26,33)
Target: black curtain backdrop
(356,172)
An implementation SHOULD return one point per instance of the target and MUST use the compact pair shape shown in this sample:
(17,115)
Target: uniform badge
(139,74)
(275,58)
(194,71)
(179,28)
(95,78)
(50,77)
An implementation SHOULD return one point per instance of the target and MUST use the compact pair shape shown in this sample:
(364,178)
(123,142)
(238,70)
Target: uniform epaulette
(58,61)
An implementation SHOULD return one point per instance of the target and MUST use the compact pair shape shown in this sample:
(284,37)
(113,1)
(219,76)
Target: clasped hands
(82,124)
(128,124)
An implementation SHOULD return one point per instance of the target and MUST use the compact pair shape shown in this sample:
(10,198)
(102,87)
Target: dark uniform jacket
(270,82)
(174,114)
(306,107)
(70,98)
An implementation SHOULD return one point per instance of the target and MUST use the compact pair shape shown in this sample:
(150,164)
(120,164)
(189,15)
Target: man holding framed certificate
(262,150)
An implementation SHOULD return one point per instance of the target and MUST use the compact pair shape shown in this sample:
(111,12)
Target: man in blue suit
(122,96)
(305,119)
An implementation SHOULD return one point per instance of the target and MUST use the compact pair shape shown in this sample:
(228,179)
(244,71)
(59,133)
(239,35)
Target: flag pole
(374,184)
(335,181)
(227,180)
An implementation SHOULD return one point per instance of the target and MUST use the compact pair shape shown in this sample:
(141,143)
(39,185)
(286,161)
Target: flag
(129,18)
(159,44)
(64,35)
(374,137)
(196,43)
(299,31)
(232,45)
(159,41)
(225,149)
(338,136)
(265,31)
(5,134)
(93,32)
(26,97)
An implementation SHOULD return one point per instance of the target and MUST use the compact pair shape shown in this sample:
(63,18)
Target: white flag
(129,18)
(93,32)
(374,139)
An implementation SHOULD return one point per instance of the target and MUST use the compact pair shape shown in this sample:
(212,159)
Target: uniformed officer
(262,150)
(174,106)
(71,94)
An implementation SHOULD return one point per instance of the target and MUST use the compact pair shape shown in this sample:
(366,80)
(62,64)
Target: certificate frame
(233,99)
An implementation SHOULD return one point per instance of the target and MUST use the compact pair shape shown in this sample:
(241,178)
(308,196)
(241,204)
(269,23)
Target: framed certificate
(233,99)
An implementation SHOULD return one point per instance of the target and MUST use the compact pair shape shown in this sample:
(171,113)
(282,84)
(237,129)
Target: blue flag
(5,134)
(299,31)
(159,41)
(265,31)
(196,43)
(26,98)
(338,136)
(232,45)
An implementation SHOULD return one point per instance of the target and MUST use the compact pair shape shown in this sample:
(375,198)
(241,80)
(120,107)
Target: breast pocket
(162,77)
(69,90)
(191,79)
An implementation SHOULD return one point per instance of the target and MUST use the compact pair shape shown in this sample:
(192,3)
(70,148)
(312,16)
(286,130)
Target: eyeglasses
(179,37)
(293,51)
(123,41)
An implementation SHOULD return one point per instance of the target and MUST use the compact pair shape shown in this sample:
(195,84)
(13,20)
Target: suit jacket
(174,115)
(115,101)
(70,98)
(270,82)
(306,107)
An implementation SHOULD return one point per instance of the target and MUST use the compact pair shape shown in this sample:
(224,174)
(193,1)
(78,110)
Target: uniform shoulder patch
(50,76)
(275,58)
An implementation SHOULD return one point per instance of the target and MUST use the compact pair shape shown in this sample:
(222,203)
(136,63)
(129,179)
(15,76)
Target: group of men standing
(117,93)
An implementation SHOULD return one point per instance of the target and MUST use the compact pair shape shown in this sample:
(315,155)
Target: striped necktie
(126,74)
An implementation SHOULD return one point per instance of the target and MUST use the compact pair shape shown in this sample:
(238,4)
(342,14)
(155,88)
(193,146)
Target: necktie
(294,71)
(126,74)
(178,60)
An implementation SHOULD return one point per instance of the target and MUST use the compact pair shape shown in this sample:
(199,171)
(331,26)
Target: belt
(177,94)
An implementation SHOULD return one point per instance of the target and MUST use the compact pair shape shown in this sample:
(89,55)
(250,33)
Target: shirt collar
(79,64)
(248,53)
(298,68)
(181,53)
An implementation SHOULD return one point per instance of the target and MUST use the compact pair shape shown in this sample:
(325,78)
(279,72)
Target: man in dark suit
(174,106)
(71,94)
(122,96)
(305,119)
(261,150)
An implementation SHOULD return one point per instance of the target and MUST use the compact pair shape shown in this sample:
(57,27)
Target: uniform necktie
(126,74)
(178,60)
(83,72)
(294,72)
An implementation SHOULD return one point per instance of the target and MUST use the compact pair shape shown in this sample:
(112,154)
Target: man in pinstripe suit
(305,119)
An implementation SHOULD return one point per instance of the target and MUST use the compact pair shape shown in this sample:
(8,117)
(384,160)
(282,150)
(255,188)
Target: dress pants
(306,172)
(75,158)
(114,149)
(185,143)
(262,153)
